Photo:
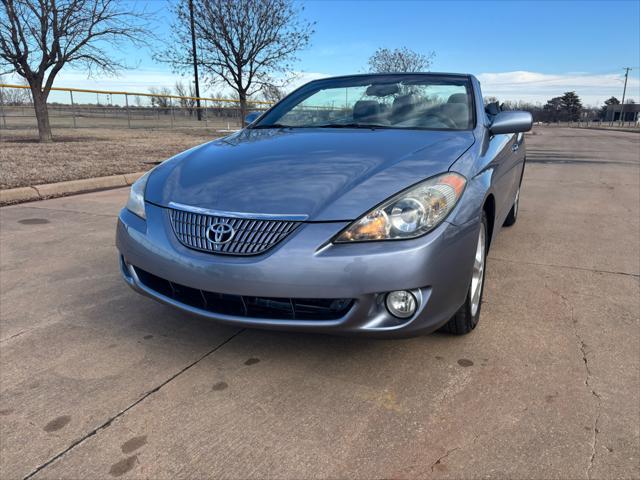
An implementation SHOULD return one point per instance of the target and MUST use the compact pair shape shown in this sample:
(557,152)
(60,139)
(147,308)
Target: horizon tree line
(564,108)
(567,107)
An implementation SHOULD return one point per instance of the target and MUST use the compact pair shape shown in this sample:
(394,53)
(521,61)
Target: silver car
(362,204)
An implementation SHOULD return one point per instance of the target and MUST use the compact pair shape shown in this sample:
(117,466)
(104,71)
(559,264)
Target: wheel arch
(489,207)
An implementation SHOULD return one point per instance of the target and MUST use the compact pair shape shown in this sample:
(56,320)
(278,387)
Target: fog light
(401,304)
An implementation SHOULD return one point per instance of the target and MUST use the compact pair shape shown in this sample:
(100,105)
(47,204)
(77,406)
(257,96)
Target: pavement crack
(12,336)
(584,269)
(449,452)
(594,438)
(587,379)
(446,454)
(146,395)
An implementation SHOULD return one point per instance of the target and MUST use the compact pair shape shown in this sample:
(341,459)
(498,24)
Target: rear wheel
(467,317)
(513,213)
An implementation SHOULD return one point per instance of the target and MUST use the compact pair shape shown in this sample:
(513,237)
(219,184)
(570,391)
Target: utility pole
(624,92)
(195,60)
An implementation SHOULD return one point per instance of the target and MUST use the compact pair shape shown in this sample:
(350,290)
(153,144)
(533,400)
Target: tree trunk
(42,114)
(243,107)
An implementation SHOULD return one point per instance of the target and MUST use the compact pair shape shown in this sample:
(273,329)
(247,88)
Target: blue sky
(547,37)
(519,50)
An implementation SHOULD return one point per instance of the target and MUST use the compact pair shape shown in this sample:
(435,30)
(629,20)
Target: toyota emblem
(220,233)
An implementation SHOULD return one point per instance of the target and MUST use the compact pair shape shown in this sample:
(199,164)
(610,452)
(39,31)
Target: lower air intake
(247,306)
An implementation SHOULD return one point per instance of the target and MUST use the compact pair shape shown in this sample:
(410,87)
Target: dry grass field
(85,153)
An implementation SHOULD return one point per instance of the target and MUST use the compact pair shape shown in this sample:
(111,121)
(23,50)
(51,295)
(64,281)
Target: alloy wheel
(478,271)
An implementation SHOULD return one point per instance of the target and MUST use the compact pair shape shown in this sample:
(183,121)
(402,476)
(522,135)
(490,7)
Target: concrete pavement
(97,382)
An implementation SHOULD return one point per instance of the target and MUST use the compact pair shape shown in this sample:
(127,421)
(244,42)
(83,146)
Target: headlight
(135,204)
(409,214)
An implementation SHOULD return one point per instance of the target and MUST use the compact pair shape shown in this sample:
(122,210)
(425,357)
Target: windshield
(377,101)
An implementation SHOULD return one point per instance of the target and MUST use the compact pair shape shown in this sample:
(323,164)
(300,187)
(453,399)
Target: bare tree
(385,60)
(160,97)
(39,37)
(241,43)
(218,96)
(186,93)
(14,96)
(272,93)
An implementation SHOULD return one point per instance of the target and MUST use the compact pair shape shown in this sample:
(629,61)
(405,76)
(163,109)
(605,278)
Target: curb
(71,187)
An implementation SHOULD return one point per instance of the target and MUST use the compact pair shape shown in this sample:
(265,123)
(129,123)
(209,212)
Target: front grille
(251,236)
(247,306)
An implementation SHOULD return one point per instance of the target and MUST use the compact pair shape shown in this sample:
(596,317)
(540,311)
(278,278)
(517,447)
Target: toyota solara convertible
(363,204)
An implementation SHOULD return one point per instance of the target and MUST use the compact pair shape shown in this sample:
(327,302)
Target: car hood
(323,174)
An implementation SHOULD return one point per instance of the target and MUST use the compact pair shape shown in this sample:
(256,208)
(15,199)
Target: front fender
(478,189)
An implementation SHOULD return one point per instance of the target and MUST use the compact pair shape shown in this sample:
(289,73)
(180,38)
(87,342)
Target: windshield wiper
(351,125)
(326,125)
(271,125)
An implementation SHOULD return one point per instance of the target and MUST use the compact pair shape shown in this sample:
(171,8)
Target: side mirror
(251,117)
(511,122)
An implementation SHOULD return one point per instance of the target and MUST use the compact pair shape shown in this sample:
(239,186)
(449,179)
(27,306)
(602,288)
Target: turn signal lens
(409,214)
(373,226)
(135,203)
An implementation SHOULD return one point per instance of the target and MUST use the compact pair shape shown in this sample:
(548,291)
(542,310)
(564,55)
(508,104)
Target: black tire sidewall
(463,321)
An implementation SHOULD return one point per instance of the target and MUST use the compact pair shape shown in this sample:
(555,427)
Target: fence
(83,108)
(604,124)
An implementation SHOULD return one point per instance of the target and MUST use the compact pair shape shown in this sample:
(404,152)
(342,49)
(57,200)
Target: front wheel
(467,317)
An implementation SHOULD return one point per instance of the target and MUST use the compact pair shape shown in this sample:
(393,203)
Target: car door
(504,149)
(520,154)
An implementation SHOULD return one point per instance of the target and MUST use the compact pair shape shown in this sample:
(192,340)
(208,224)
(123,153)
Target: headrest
(458,98)
(365,110)
(405,101)
(403,107)
(457,112)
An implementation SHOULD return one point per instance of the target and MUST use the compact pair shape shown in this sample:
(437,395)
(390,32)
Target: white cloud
(536,87)
(539,87)
(517,85)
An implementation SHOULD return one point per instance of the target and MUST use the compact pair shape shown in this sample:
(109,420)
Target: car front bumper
(436,268)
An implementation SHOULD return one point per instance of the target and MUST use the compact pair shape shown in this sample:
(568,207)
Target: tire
(468,316)
(513,213)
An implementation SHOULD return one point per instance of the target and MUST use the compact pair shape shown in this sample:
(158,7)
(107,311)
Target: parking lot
(98,382)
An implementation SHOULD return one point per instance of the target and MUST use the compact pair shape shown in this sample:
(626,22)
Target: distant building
(631,112)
